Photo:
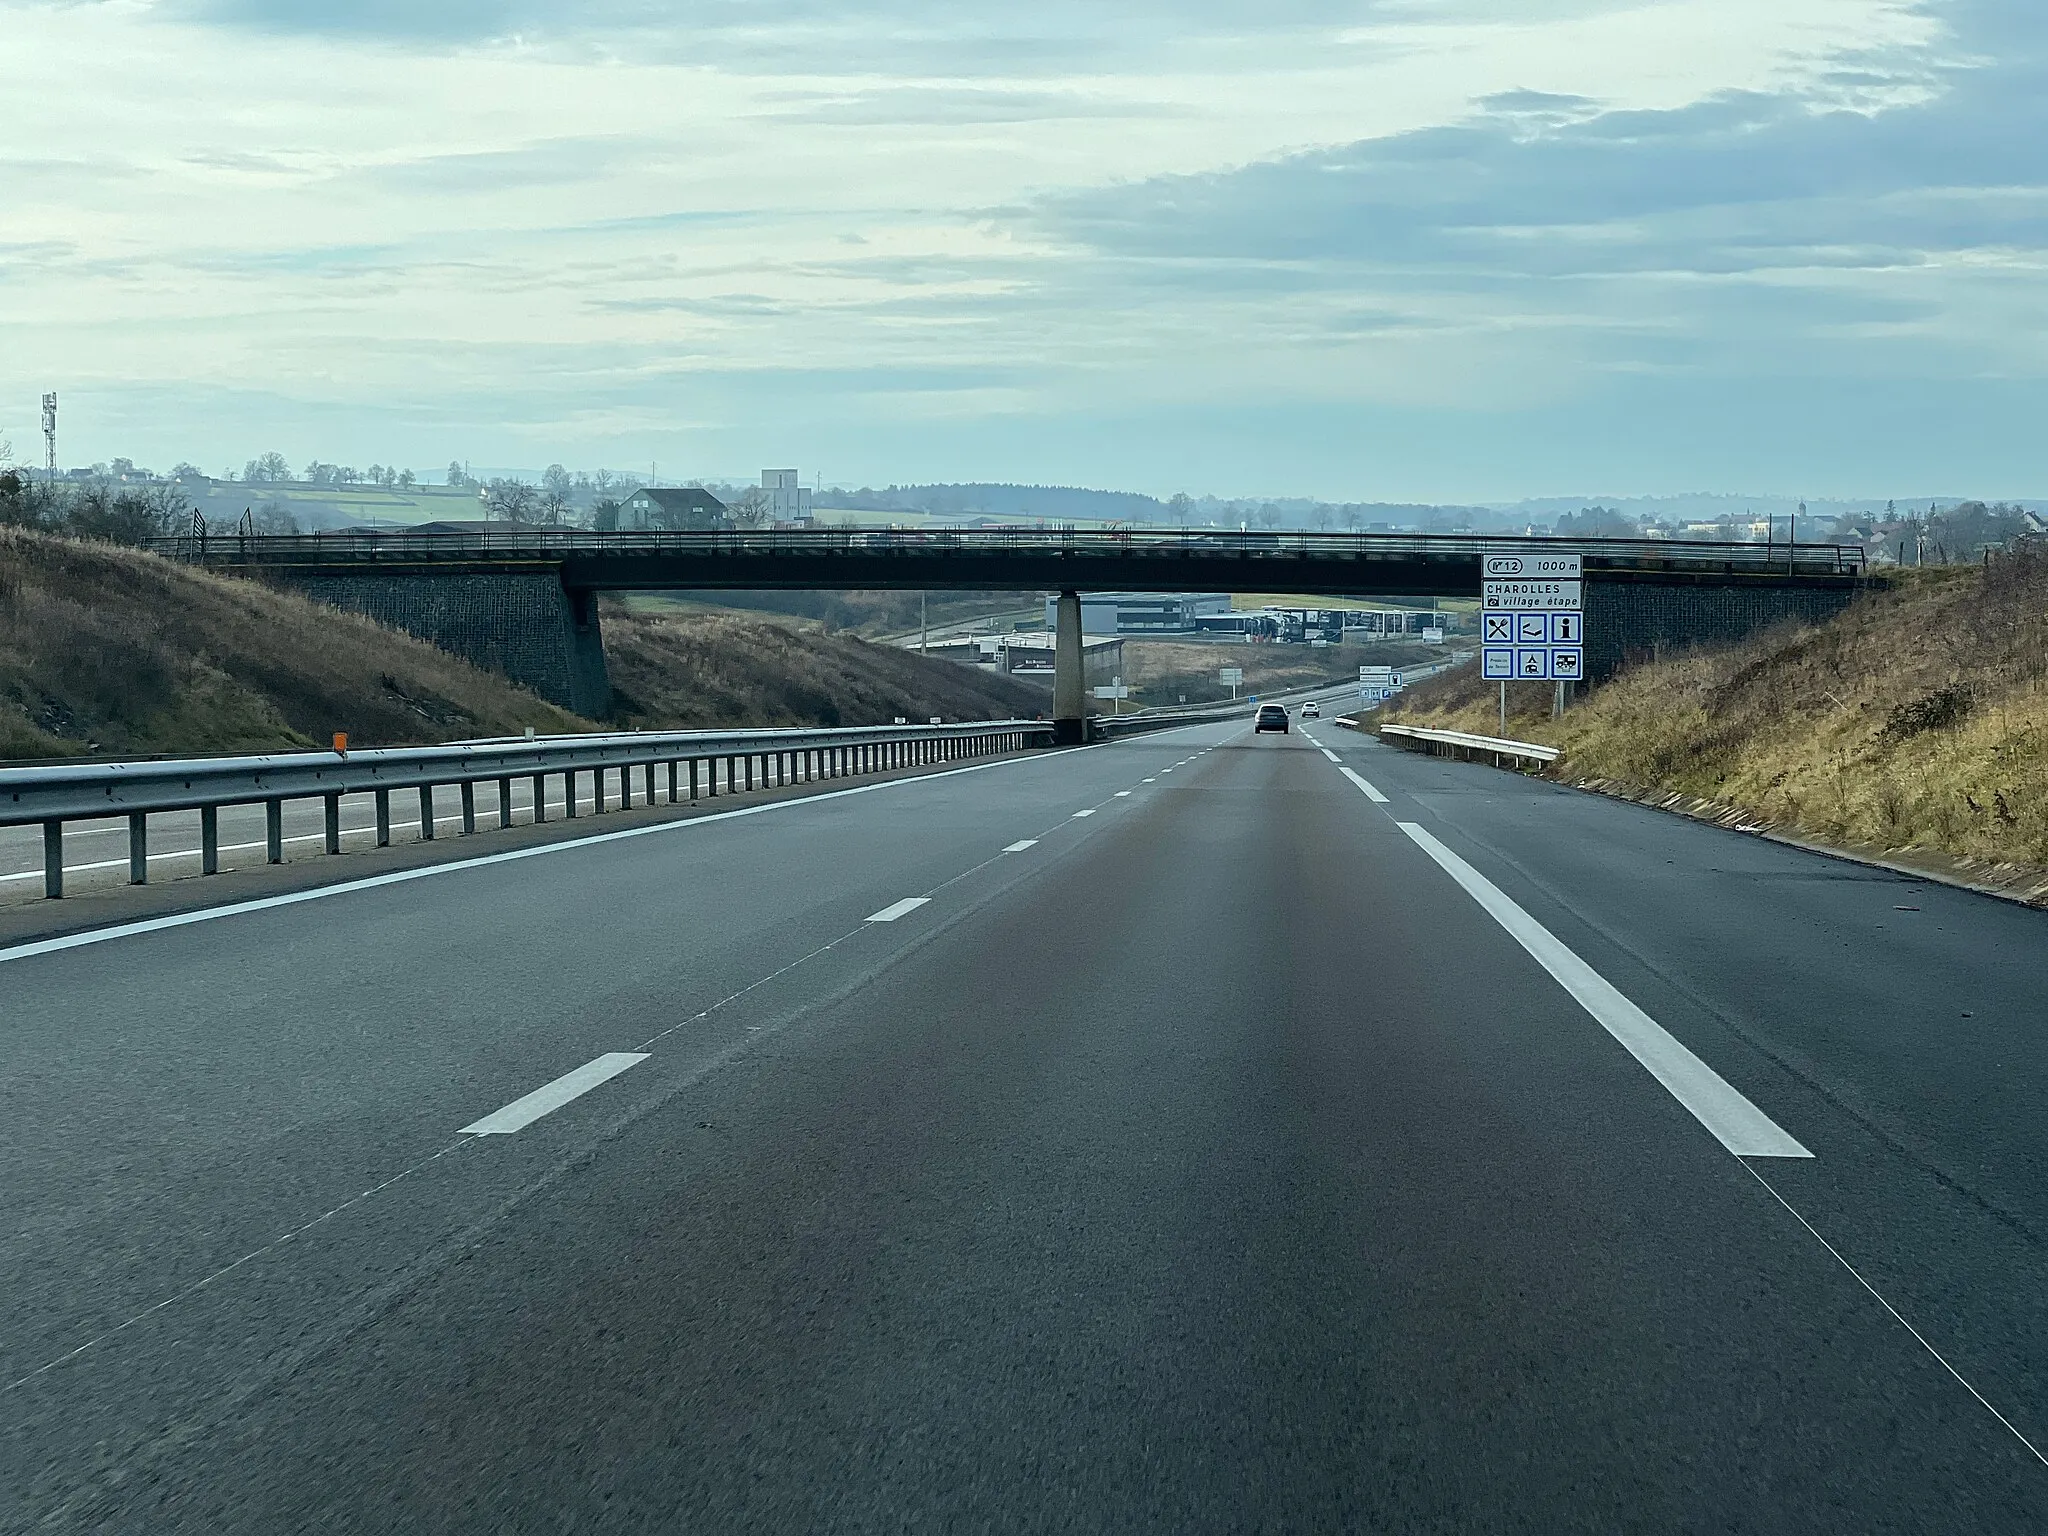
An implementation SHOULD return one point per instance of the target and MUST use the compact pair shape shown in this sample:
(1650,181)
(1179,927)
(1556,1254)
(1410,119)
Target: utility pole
(924,632)
(50,434)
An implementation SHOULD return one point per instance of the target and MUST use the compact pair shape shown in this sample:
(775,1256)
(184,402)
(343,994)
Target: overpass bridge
(524,601)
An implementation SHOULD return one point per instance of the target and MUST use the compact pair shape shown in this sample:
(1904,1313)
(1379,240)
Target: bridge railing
(1166,544)
(686,764)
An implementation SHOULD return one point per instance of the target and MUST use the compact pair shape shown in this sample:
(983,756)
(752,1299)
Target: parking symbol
(1531,628)
(1500,628)
(1566,628)
(1532,664)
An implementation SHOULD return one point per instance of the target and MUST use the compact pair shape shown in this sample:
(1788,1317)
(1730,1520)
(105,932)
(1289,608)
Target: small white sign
(1496,663)
(1432,637)
(1113,691)
(1552,564)
(1228,675)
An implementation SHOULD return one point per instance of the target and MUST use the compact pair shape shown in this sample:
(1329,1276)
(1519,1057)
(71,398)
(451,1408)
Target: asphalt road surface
(1199,1133)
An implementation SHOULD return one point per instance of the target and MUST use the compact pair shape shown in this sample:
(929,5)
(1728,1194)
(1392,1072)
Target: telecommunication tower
(50,433)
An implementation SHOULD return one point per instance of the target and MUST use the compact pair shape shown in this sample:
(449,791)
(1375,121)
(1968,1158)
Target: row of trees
(92,509)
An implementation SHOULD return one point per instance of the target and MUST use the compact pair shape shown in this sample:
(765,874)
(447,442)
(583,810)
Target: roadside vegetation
(112,650)
(682,669)
(1916,720)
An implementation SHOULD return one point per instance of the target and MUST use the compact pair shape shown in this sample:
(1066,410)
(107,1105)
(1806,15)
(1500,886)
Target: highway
(1202,1132)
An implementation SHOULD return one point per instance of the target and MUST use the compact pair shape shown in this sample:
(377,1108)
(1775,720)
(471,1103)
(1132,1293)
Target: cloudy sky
(1365,249)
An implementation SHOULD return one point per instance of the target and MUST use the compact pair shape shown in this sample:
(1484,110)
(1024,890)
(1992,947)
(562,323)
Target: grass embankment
(114,651)
(111,650)
(1916,720)
(1160,672)
(710,669)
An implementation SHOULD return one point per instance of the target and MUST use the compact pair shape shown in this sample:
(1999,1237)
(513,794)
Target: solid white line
(1079,814)
(549,1097)
(455,866)
(897,909)
(1021,844)
(1740,1126)
(1370,793)
(1918,1336)
(1328,753)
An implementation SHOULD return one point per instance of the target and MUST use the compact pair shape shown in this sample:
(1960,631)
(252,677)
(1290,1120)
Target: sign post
(1532,620)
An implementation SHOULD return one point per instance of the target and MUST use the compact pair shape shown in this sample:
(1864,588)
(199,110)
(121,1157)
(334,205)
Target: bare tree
(513,500)
(749,509)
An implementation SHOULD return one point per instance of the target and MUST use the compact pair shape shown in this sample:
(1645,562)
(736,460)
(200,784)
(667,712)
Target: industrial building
(1143,613)
(673,509)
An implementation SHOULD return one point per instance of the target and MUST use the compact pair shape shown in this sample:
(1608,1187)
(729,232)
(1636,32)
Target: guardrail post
(383,818)
(504,802)
(273,831)
(332,817)
(426,813)
(540,798)
(650,785)
(468,807)
(209,840)
(138,848)
(53,859)
(693,781)
(671,781)
(569,793)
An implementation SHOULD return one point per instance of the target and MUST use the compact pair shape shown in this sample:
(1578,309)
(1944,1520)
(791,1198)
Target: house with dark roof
(665,508)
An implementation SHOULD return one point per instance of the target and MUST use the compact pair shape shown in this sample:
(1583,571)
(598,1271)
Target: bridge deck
(1014,559)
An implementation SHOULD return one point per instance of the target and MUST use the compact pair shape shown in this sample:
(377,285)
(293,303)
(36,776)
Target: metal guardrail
(54,794)
(1466,745)
(392,546)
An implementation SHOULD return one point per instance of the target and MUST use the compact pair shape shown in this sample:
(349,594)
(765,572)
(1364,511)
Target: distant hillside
(1055,502)
(110,650)
(1918,719)
(711,669)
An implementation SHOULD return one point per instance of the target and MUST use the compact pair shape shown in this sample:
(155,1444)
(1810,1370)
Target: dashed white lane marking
(1151,781)
(482,861)
(549,1097)
(1738,1124)
(1122,794)
(897,909)
(1020,845)
(1079,814)
(1328,753)
(1370,793)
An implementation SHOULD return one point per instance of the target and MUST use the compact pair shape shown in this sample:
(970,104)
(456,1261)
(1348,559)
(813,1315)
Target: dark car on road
(1271,717)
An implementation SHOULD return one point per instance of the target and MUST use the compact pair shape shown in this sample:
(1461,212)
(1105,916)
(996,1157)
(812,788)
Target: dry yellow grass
(689,669)
(1917,719)
(114,650)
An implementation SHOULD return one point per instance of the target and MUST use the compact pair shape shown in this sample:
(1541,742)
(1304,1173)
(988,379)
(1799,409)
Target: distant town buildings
(788,500)
(673,509)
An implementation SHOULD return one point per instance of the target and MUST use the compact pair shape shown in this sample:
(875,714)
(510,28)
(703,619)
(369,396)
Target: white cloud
(557,228)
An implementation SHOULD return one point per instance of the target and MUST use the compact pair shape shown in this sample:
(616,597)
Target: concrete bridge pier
(1069,678)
